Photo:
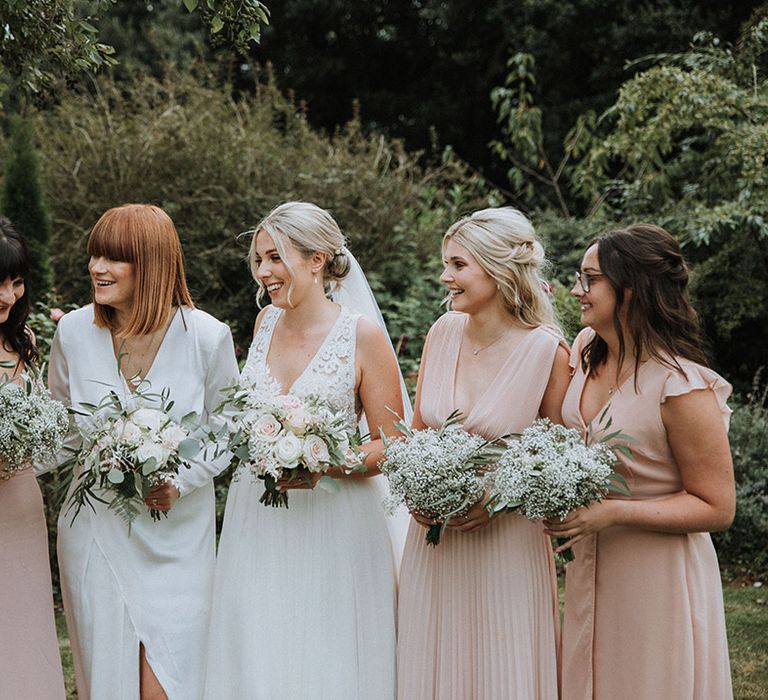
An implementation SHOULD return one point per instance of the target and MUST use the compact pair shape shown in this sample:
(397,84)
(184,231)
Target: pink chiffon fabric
(644,615)
(30,667)
(478,614)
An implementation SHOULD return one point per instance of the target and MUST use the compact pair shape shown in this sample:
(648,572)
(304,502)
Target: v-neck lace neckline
(326,340)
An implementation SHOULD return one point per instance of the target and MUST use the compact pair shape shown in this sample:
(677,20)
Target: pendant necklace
(475,353)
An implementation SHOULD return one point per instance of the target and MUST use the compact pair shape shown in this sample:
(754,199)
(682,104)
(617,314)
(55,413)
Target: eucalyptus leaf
(115,476)
(328,484)
(189,448)
(149,466)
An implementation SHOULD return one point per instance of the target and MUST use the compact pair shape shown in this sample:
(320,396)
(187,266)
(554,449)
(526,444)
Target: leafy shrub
(217,166)
(744,547)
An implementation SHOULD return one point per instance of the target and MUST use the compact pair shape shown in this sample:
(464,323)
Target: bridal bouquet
(33,426)
(127,451)
(287,436)
(439,474)
(550,471)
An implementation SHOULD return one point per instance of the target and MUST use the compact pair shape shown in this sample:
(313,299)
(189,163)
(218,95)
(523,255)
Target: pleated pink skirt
(30,667)
(478,615)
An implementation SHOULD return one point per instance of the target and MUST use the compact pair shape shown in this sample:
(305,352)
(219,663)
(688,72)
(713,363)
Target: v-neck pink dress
(644,613)
(478,614)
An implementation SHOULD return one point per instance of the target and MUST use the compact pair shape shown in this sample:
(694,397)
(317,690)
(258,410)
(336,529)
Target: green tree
(22,203)
(42,40)
(685,146)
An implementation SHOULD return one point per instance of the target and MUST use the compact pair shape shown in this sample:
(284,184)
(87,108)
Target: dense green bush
(743,549)
(217,166)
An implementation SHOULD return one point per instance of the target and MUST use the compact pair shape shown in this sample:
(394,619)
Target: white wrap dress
(152,587)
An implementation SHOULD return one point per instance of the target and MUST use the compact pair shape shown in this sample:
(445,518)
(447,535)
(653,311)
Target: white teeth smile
(102,283)
(455,292)
(274,287)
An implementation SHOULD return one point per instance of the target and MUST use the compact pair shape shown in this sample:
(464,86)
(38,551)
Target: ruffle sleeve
(584,336)
(697,377)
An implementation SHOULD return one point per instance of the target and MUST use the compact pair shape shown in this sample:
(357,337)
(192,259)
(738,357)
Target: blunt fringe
(144,235)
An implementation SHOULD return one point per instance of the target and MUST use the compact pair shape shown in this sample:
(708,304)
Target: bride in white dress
(304,597)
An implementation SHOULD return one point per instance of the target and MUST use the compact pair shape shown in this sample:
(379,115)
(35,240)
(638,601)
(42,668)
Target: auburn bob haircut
(144,235)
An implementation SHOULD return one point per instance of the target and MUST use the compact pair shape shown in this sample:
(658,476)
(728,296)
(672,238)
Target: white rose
(297,420)
(149,418)
(288,450)
(266,427)
(315,452)
(172,436)
(147,450)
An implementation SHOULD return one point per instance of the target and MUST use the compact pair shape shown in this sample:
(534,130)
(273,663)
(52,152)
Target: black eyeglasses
(585,279)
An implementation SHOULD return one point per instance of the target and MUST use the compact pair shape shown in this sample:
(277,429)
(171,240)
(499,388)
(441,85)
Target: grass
(746,613)
(746,616)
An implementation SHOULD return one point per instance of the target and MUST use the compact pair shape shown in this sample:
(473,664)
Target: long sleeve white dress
(153,586)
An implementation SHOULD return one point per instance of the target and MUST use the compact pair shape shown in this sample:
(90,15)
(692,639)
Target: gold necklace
(620,379)
(475,353)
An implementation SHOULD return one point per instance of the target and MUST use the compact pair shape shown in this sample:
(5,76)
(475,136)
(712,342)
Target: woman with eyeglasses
(30,667)
(643,606)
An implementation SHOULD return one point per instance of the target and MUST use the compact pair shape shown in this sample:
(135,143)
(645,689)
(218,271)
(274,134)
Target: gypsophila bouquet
(33,426)
(126,450)
(439,474)
(287,436)
(551,470)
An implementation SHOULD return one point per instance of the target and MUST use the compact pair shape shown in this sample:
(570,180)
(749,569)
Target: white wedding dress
(304,597)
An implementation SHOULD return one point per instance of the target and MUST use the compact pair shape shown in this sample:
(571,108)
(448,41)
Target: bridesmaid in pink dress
(478,614)
(644,608)
(30,668)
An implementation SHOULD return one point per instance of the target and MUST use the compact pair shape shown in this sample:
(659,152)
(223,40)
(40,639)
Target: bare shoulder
(370,337)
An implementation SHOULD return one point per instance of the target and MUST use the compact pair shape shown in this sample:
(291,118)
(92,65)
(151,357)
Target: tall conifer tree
(22,203)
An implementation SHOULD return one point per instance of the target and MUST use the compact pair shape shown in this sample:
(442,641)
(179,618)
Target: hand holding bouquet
(550,471)
(127,451)
(439,474)
(33,426)
(283,437)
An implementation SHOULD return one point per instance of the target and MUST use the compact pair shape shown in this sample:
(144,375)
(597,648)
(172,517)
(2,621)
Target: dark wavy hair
(14,262)
(660,319)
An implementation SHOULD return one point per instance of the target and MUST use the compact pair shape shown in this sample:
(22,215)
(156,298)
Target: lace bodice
(330,374)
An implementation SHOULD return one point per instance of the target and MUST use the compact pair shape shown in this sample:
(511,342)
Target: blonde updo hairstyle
(503,242)
(309,229)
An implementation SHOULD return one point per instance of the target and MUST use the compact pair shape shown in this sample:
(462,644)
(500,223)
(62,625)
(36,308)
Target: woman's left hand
(476,518)
(582,522)
(162,497)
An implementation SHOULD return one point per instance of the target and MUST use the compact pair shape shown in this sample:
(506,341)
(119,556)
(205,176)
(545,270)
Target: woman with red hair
(137,604)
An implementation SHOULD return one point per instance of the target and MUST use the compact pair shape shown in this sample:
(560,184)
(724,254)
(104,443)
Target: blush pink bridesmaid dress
(30,667)
(478,614)
(644,613)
